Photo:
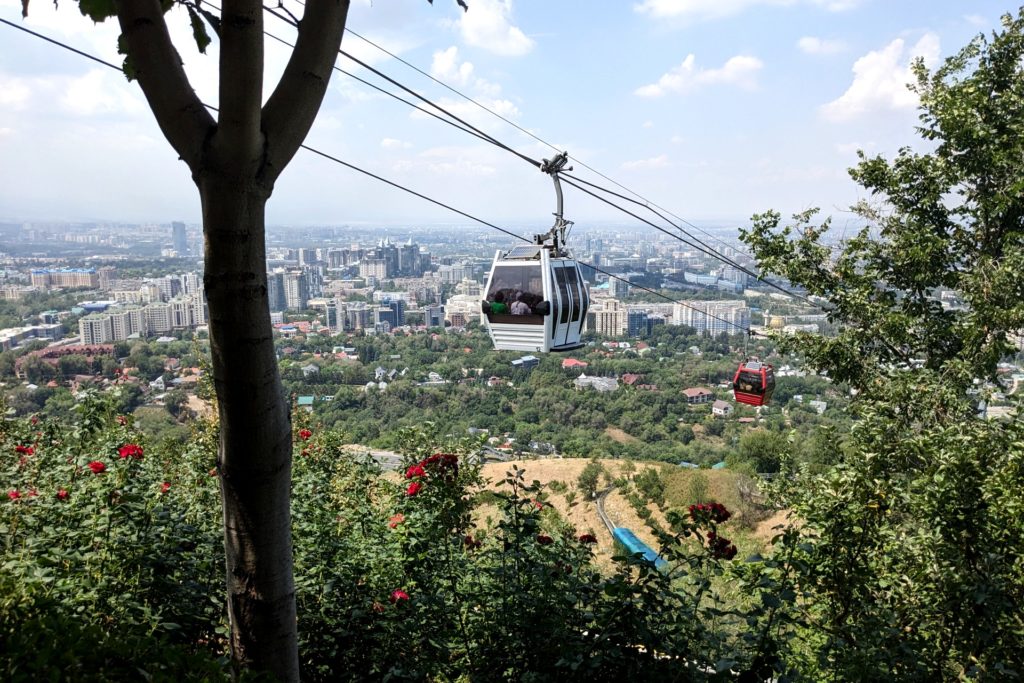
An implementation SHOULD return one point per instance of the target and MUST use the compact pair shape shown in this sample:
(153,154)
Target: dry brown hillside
(582,514)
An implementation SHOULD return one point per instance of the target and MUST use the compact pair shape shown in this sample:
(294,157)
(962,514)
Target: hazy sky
(714,109)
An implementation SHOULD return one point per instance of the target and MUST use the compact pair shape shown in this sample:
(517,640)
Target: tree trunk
(254,459)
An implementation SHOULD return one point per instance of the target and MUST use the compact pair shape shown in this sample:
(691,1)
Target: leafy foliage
(907,563)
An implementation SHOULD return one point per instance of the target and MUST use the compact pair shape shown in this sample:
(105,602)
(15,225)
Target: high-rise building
(618,288)
(158,318)
(373,267)
(409,260)
(307,256)
(389,252)
(636,323)
(296,290)
(95,328)
(433,316)
(105,275)
(191,283)
(126,321)
(610,320)
(713,317)
(169,287)
(179,238)
(66,277)
(396,312)
(314,279)
(275,292)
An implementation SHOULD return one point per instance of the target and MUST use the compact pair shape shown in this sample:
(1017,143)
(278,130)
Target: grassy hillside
(750,527)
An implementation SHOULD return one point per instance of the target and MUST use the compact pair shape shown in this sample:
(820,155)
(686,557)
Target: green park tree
(910,561)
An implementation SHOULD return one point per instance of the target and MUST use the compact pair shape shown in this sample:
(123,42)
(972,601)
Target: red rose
(471,542)
(413,489)
(544,539)
(398,595)
(304,434)
(130,450)
(62,494)
(415,471)
(97,467)
(537,504)
(588,538)
(14,494)
(24,450)
(34,419)
(165,487)
(395,520)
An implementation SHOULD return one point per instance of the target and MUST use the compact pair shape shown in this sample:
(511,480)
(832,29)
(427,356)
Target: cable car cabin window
(749,383)
(563,287)
(577,295)
(517,290)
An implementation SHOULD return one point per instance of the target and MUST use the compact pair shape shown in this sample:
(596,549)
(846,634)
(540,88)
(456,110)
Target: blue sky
(714,109)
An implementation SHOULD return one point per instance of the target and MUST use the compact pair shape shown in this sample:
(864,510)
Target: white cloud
(648,124)
(100,92)
(820,46)
(739,70)
(880,80)
(660,161)
(442,161)
(697,10)
(488,26)
(676,139)
(446,67)
(392,143)
(14,92)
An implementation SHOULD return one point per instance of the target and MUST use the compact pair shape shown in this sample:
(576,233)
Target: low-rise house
(526,362)
(572,363)
(696,395)
(601,384)
(721,408)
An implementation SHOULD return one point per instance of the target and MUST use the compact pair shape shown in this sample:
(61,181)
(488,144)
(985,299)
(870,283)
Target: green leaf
(97,10)
(198,30)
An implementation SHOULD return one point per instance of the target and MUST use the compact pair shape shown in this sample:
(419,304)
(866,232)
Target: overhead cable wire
(643,201)
(377,177)
(661,229)
(703,247)
(480,134)
(291,22)
(467,127)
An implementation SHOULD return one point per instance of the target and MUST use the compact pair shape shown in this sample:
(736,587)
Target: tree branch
(180,114)
(291,109)
(239,137)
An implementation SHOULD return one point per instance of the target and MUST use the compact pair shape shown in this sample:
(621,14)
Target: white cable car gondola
(536,299)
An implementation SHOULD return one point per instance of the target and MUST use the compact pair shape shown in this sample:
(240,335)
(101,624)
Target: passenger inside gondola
(515,291)
(520,307)
(498,305)
(749,383)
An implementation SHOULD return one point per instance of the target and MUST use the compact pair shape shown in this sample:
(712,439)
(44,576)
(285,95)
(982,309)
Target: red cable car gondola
(754,382)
